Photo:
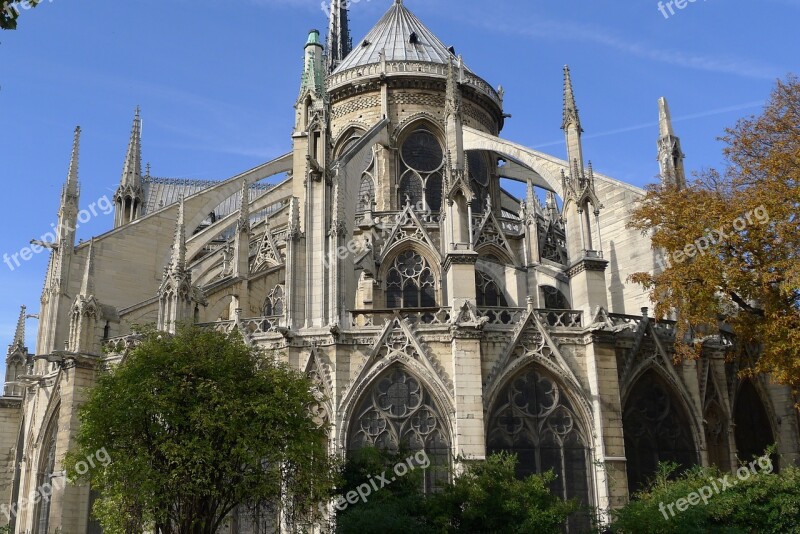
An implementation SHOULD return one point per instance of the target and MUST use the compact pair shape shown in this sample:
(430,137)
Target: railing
(618,319)
(251,327)
(428,316)
(413,67)
(13,390)
(502,316)
(122,343)
(561,318)
(511,226)
(665,327)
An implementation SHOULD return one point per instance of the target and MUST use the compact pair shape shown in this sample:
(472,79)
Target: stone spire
(339,41)
(572,123)
(178,261)
(19,336)
(454,119)
(68,211)
(313,72)
(552,207)
(132,170)
(87,284)
(71,190)
(571,116)
(54,296)
(129,197)
(670,155)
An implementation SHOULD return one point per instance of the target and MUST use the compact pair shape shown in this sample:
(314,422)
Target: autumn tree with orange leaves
(729,243)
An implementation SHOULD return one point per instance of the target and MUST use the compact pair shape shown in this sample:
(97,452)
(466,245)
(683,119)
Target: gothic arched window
(717,436)
(487,291)
(479,179)
(554,299)
(534,419)
(410,283)
(398,413)
(47,466)
(422,159)
(753,431)
(275,304)
(656,430)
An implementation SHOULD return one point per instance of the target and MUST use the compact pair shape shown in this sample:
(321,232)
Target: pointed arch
(553,298)
(753,430)
(45,472)
(657,426)
(489,293)
(715,419)
(421,159)
(398,411)
(410,280)
(537,418)
(349,135)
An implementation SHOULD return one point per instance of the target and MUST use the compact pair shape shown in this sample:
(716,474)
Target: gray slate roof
(393,34)
(162,192)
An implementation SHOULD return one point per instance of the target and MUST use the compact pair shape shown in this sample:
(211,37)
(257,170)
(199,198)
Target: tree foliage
(729,242)
(486,498)
(764,502)
(10,10)
(399,507)
(195,425)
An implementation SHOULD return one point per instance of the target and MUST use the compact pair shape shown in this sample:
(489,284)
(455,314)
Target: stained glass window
(535,420)
(422,158)
(656,430)
(487,291)
(410,283)
(397,413)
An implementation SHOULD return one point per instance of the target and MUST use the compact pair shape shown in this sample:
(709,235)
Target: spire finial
(339,41)
(87,285)
(670,155)
(571,116)
(132,169)
(178,262)
(19,335)
(71,187)
(664,118)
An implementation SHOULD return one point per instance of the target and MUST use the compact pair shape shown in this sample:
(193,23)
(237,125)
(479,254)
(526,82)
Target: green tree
(397,508)
(10,10)
(763,502)
(195,425)
(730,243)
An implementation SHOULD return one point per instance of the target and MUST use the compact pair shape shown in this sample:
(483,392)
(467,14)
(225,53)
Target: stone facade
(432,308)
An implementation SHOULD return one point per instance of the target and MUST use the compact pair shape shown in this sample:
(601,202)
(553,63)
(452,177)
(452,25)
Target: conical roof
(402,37)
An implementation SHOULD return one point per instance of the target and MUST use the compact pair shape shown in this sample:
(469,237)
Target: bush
(763,503)
(486,498)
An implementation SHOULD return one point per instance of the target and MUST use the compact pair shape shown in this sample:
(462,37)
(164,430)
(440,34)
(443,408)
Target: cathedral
(433,309)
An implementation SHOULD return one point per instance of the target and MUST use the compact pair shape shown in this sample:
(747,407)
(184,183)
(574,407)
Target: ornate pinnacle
(571,116)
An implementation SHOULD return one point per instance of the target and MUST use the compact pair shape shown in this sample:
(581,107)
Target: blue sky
(217,81)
